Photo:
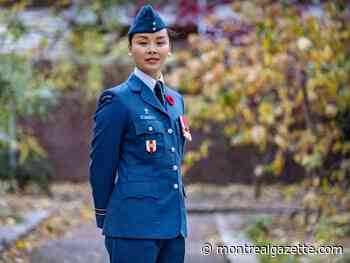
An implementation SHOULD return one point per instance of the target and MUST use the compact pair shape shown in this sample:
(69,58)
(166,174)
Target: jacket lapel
(146,93)
(171,109)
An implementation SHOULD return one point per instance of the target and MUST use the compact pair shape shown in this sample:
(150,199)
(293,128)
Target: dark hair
(171,33)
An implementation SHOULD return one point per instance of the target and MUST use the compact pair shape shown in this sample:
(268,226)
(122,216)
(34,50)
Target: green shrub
(34,169)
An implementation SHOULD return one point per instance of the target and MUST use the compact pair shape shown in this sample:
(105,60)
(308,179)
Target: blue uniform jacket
(148,198)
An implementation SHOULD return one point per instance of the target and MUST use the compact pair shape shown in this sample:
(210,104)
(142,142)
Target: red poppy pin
(170,100)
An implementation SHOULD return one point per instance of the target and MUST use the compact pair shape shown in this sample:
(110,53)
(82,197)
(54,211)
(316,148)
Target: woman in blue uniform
(136,153)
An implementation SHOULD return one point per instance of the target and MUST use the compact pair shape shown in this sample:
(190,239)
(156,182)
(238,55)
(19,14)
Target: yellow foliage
(266,113)
(247,114)
(278,163)
(269,104)
(258,134)
(20,244)
(30,144)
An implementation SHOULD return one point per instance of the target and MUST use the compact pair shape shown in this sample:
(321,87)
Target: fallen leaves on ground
(72,203)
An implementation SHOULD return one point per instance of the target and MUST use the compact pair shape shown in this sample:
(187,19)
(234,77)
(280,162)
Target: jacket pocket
(148,127)
(134,206)
(139,190)
(149,138)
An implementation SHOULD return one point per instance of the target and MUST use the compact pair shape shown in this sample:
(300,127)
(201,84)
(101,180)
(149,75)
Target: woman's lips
(152,60)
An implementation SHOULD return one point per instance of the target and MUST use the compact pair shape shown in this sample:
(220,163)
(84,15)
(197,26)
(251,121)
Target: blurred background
(267,91)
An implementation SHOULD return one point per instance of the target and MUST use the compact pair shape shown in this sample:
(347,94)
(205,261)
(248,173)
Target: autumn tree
(279,77)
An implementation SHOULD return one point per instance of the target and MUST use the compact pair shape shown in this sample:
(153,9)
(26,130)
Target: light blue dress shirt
(147,79)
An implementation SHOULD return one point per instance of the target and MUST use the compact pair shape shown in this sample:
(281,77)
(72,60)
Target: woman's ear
(169,53)
(129,50)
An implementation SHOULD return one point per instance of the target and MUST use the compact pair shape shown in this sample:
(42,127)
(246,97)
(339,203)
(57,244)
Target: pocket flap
(139,189)
(148,127)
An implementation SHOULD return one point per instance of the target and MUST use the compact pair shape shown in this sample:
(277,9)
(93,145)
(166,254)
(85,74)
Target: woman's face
(150,50)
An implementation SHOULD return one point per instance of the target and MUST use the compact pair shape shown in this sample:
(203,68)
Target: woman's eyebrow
(145,37)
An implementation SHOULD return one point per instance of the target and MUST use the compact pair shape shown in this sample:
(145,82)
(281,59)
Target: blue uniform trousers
(132,250)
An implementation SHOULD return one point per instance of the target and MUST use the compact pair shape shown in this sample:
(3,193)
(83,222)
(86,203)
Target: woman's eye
(142,43)
(160,43)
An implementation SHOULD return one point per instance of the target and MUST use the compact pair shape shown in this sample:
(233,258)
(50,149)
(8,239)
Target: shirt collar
(147,79)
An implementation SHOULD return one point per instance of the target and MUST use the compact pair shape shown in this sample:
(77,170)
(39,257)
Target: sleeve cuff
(100,216)
(100,220)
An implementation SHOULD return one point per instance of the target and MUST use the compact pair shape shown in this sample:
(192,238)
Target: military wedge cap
(147,20)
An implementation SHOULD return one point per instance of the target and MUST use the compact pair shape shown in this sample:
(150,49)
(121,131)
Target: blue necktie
(158,89)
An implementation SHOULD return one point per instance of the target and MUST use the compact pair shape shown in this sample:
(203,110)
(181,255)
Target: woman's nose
(152,49)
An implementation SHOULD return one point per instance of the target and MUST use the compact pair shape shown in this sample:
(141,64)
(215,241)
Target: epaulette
(105,98)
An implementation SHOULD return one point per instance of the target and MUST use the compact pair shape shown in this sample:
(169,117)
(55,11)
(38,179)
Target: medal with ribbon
(185,128)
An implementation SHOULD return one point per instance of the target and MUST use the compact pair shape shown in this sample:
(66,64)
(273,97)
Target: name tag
(147,117)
